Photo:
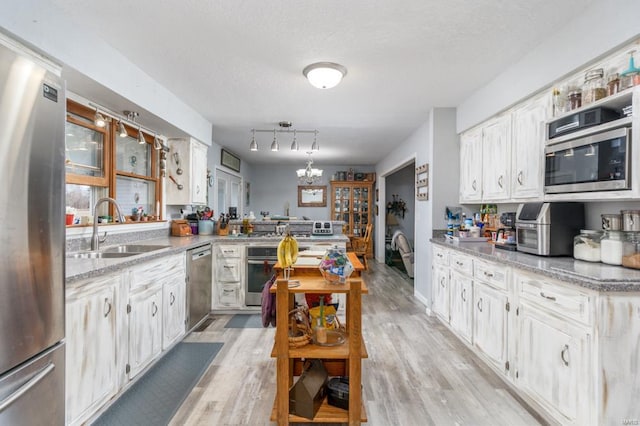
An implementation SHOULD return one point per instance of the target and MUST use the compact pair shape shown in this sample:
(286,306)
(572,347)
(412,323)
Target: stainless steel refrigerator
(32,241)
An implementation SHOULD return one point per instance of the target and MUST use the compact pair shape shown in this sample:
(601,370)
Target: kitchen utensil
(179,185)
(176,157)
(611,222)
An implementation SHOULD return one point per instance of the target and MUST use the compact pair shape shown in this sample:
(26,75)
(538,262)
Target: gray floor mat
(244,321)
(156,396)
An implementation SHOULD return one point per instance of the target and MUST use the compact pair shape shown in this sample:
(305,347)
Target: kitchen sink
(99,255)
(133,248)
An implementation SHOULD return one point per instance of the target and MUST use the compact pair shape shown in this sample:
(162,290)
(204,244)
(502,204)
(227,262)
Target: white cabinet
(496,159)
(91,347)
(146,308)
(461,297)
(490,325)
(173,310)
(527,166)
(441,292)
(145,327)
(187,165)
(229,265)
(553,364)
(471,166)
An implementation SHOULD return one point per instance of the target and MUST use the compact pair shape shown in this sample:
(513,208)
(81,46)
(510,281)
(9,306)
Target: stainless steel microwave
(598,162)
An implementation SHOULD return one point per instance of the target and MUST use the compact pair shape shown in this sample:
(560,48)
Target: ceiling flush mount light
(309,175)
(285,127)
(324,75)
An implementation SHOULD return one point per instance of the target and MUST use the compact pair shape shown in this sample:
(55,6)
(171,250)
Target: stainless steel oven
(598,162)
(260,262)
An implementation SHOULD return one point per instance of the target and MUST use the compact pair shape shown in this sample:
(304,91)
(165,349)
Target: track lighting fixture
(121,129)
(99,119)
(157,145)
(141,139)
(285,127)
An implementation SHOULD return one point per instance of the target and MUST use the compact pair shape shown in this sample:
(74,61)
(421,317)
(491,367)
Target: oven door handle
(260,262)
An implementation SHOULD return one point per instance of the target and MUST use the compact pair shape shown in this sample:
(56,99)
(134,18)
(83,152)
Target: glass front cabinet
(352,202)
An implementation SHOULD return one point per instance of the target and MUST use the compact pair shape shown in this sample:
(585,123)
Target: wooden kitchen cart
(345,359)
(352,202)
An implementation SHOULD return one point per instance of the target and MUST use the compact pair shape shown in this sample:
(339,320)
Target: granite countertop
(80,269)
(594,276)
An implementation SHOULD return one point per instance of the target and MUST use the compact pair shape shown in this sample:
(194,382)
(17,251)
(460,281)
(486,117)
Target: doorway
(229,193)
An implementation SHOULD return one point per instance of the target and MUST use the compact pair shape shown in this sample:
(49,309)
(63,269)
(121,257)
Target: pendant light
(315,147)
(294,144)
(157,145)
(324,75)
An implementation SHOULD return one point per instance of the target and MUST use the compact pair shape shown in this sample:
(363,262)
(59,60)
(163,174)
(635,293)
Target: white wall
(273,186)
(594,31)
(71,44)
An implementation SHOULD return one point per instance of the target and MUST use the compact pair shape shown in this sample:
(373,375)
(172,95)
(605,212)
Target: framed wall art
(312,196)
(230,160)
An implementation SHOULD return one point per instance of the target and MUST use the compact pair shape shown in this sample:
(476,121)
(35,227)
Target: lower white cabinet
(174,299)
(440,278)
(91,341)
(461,298)
(229,294)
(553,364)
(490,325)
(145,327)
(229,277)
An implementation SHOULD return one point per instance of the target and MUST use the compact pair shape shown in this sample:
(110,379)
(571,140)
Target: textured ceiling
(239,62)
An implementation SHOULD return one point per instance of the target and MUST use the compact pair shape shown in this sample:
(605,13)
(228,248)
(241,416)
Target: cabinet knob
(520,177)
(107,306)
(154,309)
(463,294)
(500,180)
(479,304)
(473,184)
(547,297)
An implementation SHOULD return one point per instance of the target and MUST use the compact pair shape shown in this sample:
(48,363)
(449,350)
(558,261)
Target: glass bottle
(611,247)
(574,100)
(613,84)
(593,88)
(586,245)
(631,250)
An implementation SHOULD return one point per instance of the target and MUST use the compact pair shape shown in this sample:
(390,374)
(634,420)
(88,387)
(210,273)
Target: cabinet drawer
(491,273)
(229,294)
(230,251)
(228,270)
(156,270)
(461,263)
(440,256)
(555,297)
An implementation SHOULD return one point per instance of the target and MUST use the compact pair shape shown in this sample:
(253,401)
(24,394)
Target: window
(101,163)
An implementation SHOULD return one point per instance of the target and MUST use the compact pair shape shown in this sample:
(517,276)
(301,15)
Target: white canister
(474,231)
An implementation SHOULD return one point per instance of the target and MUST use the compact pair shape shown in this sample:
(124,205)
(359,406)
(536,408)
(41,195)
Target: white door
(471,166)
(527,146)
(441,292)
(229,194)
(496,156)
(490,323)
(145,328)
(174,310)
(553,361)
(91,378)
(461,297)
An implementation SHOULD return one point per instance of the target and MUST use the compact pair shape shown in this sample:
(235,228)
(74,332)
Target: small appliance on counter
(506,237)
(180,228)
(548,229)
(322,228)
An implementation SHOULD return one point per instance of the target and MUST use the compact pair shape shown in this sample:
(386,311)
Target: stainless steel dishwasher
(199,280)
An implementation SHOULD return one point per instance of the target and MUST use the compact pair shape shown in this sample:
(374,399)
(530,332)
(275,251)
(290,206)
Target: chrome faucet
(95,239)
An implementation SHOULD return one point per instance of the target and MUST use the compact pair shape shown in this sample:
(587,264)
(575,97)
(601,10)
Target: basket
(300,333)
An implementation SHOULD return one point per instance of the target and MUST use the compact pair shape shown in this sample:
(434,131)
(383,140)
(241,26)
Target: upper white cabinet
(527,141)
(471,166)
(496,159)
(187,165)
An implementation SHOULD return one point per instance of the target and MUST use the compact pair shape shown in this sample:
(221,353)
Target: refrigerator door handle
(27,386)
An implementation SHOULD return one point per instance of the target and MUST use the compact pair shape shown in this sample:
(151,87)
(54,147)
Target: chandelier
(309,175)
(285,127)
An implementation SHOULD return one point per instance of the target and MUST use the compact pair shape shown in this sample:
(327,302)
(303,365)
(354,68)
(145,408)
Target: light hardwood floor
(418,372)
